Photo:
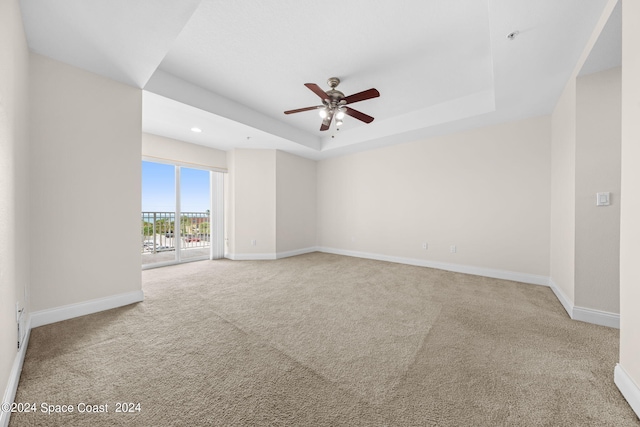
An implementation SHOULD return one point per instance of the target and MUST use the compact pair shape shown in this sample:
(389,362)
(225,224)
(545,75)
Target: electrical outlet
(425,246)
(453,249)
(254,243)
(20,324)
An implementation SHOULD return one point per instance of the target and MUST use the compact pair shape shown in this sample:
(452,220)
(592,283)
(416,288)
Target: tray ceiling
(231,68)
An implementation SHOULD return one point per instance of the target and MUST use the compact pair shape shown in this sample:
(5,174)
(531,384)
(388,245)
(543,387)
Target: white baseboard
(14,376)
(628,388)
(268,256)
(583,314)
(58,314)
(250,257)
(296,252)
(564,300)
(458,268)
(598,317)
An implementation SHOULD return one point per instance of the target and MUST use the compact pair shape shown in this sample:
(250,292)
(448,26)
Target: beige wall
(295,203)
(563,167)
(564,142)
(253,201)
(85,176)
(271,198)
(229,206)
(597,248)
(630,208)
(160,148)
(485,191)
(15,221)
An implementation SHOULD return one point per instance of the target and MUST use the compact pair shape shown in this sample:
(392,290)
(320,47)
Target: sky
(158,188)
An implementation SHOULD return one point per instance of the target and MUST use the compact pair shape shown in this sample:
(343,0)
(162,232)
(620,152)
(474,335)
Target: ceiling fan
(334,103)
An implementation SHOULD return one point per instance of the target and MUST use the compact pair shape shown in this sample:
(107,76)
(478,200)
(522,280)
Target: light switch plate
(602,199)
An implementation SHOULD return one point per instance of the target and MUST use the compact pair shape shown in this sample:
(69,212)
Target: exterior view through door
(180,217)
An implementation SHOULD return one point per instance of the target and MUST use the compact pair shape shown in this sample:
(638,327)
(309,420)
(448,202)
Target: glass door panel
(195,214)
(158,243)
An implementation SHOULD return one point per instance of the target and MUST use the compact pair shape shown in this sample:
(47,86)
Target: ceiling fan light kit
(334,103)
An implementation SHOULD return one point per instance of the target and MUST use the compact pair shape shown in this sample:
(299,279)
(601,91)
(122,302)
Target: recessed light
(196,130)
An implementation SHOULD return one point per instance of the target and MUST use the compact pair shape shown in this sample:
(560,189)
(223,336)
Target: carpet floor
(324,340)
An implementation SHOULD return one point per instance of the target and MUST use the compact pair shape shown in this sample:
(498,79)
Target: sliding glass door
(181,214)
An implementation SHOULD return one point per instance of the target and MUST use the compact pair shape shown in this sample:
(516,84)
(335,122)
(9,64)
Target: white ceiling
(231,68)
(607,52)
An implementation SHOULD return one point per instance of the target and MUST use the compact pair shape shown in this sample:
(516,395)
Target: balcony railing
(158,231)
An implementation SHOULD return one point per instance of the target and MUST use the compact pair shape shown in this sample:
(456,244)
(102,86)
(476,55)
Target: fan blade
(316,89)
(326,123)
(361,96)
(299,110)
(358,115)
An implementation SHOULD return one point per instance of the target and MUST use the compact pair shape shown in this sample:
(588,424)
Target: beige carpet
(326,340)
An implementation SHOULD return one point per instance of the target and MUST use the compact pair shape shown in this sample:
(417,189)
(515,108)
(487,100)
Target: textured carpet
(326,340)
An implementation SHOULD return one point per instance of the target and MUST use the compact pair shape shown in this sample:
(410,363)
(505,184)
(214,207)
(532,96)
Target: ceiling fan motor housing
(335,96)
